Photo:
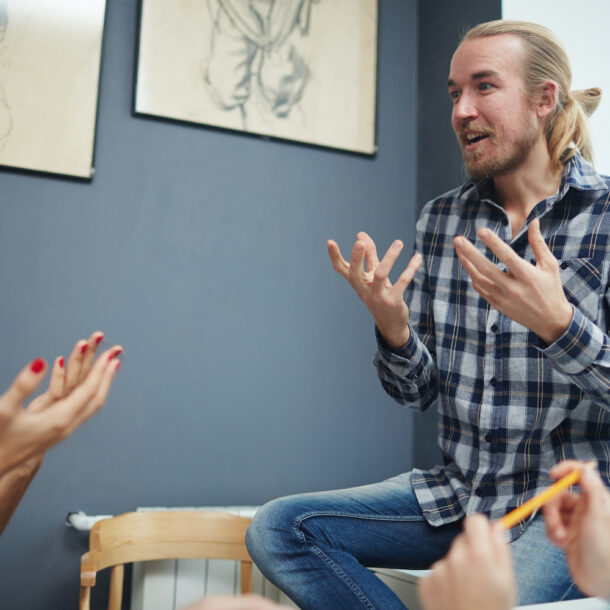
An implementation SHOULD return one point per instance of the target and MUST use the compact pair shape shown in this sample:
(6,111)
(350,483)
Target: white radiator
(174,583)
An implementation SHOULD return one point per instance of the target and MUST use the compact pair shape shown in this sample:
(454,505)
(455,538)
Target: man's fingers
(481,273)
(94,340)
(25,383)
(541,250)
(380,277)
(370,250)
(340,265)
(473,259)
(406,277)
(356,265)
(504,252)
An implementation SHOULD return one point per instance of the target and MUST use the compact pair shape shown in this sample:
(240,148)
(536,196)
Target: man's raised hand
(369,277)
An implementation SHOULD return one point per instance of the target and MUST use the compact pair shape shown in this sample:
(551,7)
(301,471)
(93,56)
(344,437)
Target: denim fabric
(315,546)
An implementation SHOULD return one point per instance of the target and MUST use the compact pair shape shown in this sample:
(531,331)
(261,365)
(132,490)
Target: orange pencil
(526,509)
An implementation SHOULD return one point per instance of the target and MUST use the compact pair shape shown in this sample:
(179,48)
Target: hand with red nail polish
(76,391)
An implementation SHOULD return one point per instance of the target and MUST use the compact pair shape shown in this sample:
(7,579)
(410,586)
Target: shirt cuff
(406,360)
(578,347)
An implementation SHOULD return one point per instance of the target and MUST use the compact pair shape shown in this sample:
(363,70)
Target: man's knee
(271,529)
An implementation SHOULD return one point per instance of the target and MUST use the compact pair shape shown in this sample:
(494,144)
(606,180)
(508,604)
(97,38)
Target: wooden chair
(154,535)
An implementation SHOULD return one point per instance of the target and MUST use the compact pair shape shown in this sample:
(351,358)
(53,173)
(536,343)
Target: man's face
(495,124)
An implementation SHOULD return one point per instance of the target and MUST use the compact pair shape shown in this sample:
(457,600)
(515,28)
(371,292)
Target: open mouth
(473,139)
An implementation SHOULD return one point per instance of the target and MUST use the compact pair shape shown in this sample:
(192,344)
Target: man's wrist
(552,332)
(394,341)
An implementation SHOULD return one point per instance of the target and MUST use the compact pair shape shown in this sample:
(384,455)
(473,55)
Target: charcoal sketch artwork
(252,60)
(49,74)
(301,70)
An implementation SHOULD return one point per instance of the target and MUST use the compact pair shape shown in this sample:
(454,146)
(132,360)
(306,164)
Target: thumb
(25,383)
(591,483)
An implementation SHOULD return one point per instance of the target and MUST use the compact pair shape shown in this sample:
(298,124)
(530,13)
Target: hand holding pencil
(579,524)
(525,510)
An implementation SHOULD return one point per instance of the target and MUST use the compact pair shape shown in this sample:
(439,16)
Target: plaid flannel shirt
(509,406)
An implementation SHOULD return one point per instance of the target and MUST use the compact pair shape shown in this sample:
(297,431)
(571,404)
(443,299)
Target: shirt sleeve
(409,374)
(583,354)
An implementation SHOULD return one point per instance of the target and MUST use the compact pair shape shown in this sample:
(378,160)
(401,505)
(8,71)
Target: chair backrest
(173,534)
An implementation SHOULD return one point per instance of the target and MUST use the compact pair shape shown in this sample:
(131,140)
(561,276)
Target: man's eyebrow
(476,76)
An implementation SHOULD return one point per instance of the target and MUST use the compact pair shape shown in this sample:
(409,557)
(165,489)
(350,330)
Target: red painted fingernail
(83,349)
(115,353)
(37,365)
(61,363)
(118,364)
(99,339)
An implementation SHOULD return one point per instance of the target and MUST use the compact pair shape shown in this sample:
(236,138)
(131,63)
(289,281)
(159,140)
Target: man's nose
(465,107)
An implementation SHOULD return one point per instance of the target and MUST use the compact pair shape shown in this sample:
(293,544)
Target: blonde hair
(566,128)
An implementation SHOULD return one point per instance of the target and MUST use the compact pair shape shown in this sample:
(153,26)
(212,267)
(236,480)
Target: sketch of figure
(6,122)
(251,49)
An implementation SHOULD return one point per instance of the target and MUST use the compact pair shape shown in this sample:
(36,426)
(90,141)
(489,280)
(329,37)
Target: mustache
(482,130)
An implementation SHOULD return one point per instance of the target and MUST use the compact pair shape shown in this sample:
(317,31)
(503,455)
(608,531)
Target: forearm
(13,486)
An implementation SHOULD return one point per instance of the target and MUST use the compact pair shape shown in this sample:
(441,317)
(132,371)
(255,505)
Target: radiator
(174,583)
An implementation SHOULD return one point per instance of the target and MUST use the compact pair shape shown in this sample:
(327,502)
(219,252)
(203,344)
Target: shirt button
(564,265)
(504,220)
(494,328)
(488,438)
(493,381)
(478,492)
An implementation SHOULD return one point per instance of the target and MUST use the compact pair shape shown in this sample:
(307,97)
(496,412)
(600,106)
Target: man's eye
(484,86)
(454,95)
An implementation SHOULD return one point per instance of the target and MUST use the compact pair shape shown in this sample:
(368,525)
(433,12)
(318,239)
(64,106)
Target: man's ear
(548,99)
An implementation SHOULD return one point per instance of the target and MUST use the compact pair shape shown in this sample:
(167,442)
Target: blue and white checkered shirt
(509,406)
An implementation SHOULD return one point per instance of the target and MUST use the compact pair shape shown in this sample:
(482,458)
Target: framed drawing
(50,56)
(302,70)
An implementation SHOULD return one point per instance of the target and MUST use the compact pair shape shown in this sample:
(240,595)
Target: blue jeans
(315,547)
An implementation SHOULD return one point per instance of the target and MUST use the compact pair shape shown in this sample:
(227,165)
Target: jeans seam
(567,592)
(297,522)
(354,588)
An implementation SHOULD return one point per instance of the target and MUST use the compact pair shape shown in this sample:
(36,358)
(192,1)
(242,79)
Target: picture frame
(299,70)
(50,56)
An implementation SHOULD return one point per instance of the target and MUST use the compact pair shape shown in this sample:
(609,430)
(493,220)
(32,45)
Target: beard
(481,167)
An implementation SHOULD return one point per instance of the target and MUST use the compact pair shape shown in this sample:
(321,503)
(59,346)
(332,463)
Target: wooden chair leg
(246,577)
(84,600)
(116,588)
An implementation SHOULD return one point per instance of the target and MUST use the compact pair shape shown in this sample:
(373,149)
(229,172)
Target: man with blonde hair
(501,316)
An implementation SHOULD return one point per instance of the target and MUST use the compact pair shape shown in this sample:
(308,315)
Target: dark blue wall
(247,367)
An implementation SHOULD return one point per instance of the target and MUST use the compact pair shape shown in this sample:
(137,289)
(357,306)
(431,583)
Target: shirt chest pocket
(581,279)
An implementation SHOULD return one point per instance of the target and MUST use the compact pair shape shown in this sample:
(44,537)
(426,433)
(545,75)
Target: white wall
(583,29)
